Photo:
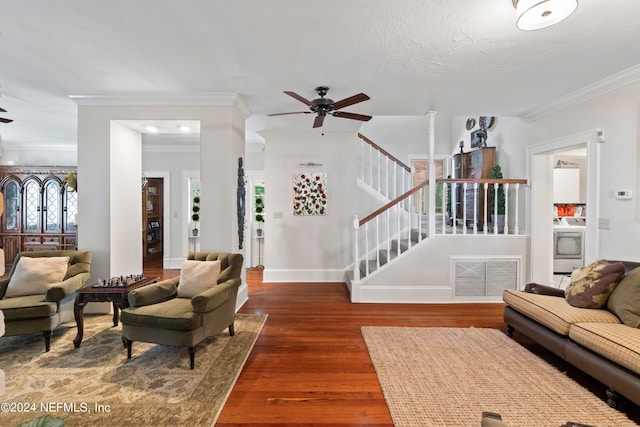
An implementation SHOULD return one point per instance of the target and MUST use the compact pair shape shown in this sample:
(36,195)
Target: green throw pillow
(592,285)
(625,299)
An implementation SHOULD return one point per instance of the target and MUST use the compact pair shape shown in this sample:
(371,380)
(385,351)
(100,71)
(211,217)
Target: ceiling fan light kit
(325,106)
(538,14)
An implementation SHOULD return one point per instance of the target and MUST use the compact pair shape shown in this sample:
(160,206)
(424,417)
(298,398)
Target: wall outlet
(604,224)
(277,215)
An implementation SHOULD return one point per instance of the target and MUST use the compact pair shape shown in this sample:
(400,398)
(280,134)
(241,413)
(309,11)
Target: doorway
(152,222)
(420,172)
(541,215)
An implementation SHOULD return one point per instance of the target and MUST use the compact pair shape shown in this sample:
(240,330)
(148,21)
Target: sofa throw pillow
(625,299)
(591,286)
(197,276)
(34,276)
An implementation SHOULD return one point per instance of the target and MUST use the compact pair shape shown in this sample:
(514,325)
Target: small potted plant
(496,173)
(259,208)
(195,216)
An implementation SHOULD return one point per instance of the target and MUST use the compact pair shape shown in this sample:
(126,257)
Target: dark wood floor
(310,365)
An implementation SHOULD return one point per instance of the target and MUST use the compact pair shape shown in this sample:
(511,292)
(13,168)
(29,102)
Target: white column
(432,174)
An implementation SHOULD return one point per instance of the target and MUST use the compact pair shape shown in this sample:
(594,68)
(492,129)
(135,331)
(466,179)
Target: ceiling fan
(2,119)
(323,106)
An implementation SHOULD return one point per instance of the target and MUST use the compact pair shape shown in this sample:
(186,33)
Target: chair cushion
(624,301)
(554,312)
(197,277)
(591,286)
(34,276)
(176,314)
(27,307)
(617,342)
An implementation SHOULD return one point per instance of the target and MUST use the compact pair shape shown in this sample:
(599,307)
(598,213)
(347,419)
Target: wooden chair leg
(47,340)
(128,343)
(192,356)
(232,331)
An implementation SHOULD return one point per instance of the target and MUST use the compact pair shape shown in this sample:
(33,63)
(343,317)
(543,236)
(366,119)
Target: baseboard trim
(300,275)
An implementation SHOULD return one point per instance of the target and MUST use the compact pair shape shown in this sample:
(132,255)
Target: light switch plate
(604,224)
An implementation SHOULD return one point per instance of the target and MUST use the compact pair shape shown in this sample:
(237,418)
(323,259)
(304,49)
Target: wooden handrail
(393,202)
(383,151)
(438,180)
(480,181)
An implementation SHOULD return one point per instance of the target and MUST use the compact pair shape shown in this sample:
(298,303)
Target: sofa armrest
(154,293)
(3,286)
(536,288)
(66,288)
(214,297)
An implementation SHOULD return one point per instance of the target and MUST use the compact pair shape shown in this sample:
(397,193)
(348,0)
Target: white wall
(618,115)
(39,156)
(218,164)
(403,136)
(309,248)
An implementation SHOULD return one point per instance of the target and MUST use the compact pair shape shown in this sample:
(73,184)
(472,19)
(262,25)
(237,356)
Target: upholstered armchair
(39,292)
(185,310)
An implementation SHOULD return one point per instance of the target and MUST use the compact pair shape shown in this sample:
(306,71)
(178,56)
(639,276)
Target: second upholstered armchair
(185,310)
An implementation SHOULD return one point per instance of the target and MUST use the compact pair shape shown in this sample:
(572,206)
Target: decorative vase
(259,232)
(195,232)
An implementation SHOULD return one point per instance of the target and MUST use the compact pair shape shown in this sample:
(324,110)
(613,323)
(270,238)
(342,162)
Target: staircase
(395,228)
(385,256)
(401,224)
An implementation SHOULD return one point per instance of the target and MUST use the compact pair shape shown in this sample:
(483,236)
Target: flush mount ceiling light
(152,129)
(538,14)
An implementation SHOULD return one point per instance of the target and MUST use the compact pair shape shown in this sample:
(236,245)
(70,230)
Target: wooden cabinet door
(12,219)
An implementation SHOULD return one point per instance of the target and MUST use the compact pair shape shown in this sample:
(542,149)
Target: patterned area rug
(448,376)
(96,385)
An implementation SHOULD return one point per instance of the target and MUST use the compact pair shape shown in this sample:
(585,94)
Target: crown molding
(615,81)
(234,100)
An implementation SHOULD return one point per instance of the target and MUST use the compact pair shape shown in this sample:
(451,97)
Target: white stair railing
(381,171)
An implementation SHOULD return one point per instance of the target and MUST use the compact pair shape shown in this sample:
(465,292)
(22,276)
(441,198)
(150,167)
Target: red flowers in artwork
(309,194)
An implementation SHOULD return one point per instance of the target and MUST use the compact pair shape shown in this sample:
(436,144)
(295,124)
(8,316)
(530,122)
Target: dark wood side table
(115,295)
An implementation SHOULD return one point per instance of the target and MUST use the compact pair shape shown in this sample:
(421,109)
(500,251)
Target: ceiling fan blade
(2,110)
(5,120)
(318,121)
(350,101)
(295,112)
(352,116)
(299,98)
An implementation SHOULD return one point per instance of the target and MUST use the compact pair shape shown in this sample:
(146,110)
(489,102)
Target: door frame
(540,175)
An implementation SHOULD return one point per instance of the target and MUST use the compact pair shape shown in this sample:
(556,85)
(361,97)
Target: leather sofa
(593,340)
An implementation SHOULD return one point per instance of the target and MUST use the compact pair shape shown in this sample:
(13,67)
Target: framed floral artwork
(309,193)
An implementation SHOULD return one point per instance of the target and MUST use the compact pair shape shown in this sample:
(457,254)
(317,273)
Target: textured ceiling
(460,57)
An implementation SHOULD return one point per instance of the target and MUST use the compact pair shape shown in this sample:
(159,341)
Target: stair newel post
(475,210)
(398,219)
(495,207)
(454,200)
(463,201)
(420,203)
(444,206)
(410,201)
(356,263)
(486,192)
(377,245)
(506,208)
(516,229)
(366,248)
